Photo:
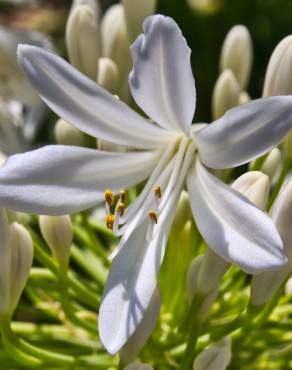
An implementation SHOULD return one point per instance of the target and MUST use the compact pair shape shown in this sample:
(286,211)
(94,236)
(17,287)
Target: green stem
(21,346)
(257,164)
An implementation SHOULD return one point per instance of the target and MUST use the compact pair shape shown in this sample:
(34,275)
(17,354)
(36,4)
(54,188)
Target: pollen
(110,219)
(157,192)
(153,216)
(123,196)
(109,197)
(121,209)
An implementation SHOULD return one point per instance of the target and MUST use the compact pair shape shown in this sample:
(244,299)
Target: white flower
(170,151)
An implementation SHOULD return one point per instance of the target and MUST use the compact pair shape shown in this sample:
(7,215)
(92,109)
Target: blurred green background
(267,20)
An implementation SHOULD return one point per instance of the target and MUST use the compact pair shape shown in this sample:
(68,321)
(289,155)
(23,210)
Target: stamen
(153,220)
(123,196)
(120,210)
(153,216)
(110,219)
(109,200)
(157,193)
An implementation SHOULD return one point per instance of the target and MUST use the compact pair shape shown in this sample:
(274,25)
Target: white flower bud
(21,261)
(138,366)
(135,13)
(243,98)
(278,80)
(255,185)
(108,75)
(143,331)
(205,6)
(264,285)
(58,234)
(183,211)
(225,94)
(82,38)
(216,357)
(237,54)
(288,287)
(272,164)
(287,146)
(66,134)
(115,44)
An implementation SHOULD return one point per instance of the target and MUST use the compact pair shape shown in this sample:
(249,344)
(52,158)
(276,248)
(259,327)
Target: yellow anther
(109,220)
(123,196)
(121,208)
(157,192)
(109,197)
(152,215)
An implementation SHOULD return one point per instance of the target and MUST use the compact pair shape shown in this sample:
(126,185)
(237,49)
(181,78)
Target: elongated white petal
(60,179)
(232,226)
(161,80)
(143,331)
(130,286)
(245,132)
(81,102)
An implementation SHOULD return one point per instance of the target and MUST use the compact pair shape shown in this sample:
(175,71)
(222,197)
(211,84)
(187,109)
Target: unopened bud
(115,44)
(143,331)
(287,146)
(108,75)
(225,94)
(138,366)
(21,261)
(243,98)
(272,164)
(183,211)
(264,285)
(135,13)
(216,357)
(66,134)
(205,6)
(278,80)
(82,38)
(58,234)
(237,54)
(255,185)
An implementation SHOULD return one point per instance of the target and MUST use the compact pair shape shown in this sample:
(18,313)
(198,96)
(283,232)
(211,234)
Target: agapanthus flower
(169,153)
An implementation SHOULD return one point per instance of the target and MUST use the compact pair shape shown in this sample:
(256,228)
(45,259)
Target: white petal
(161,81)
(84,104)
(60,179)
(245,132)
(231,225)
(143,331)
(130,286)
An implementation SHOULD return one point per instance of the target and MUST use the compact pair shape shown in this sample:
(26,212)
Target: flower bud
(264,285)
(82,39)
(21,261)
(272,164)
(58,234)
(66,134)
(205,6)
(138,366)
(108,75)
(243,98)
(287,146)
(216,357)
(115,44)
(278,80)
(135,13)
(143,331)
(237,54)
(255,185)
(225,94)
(183,211)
